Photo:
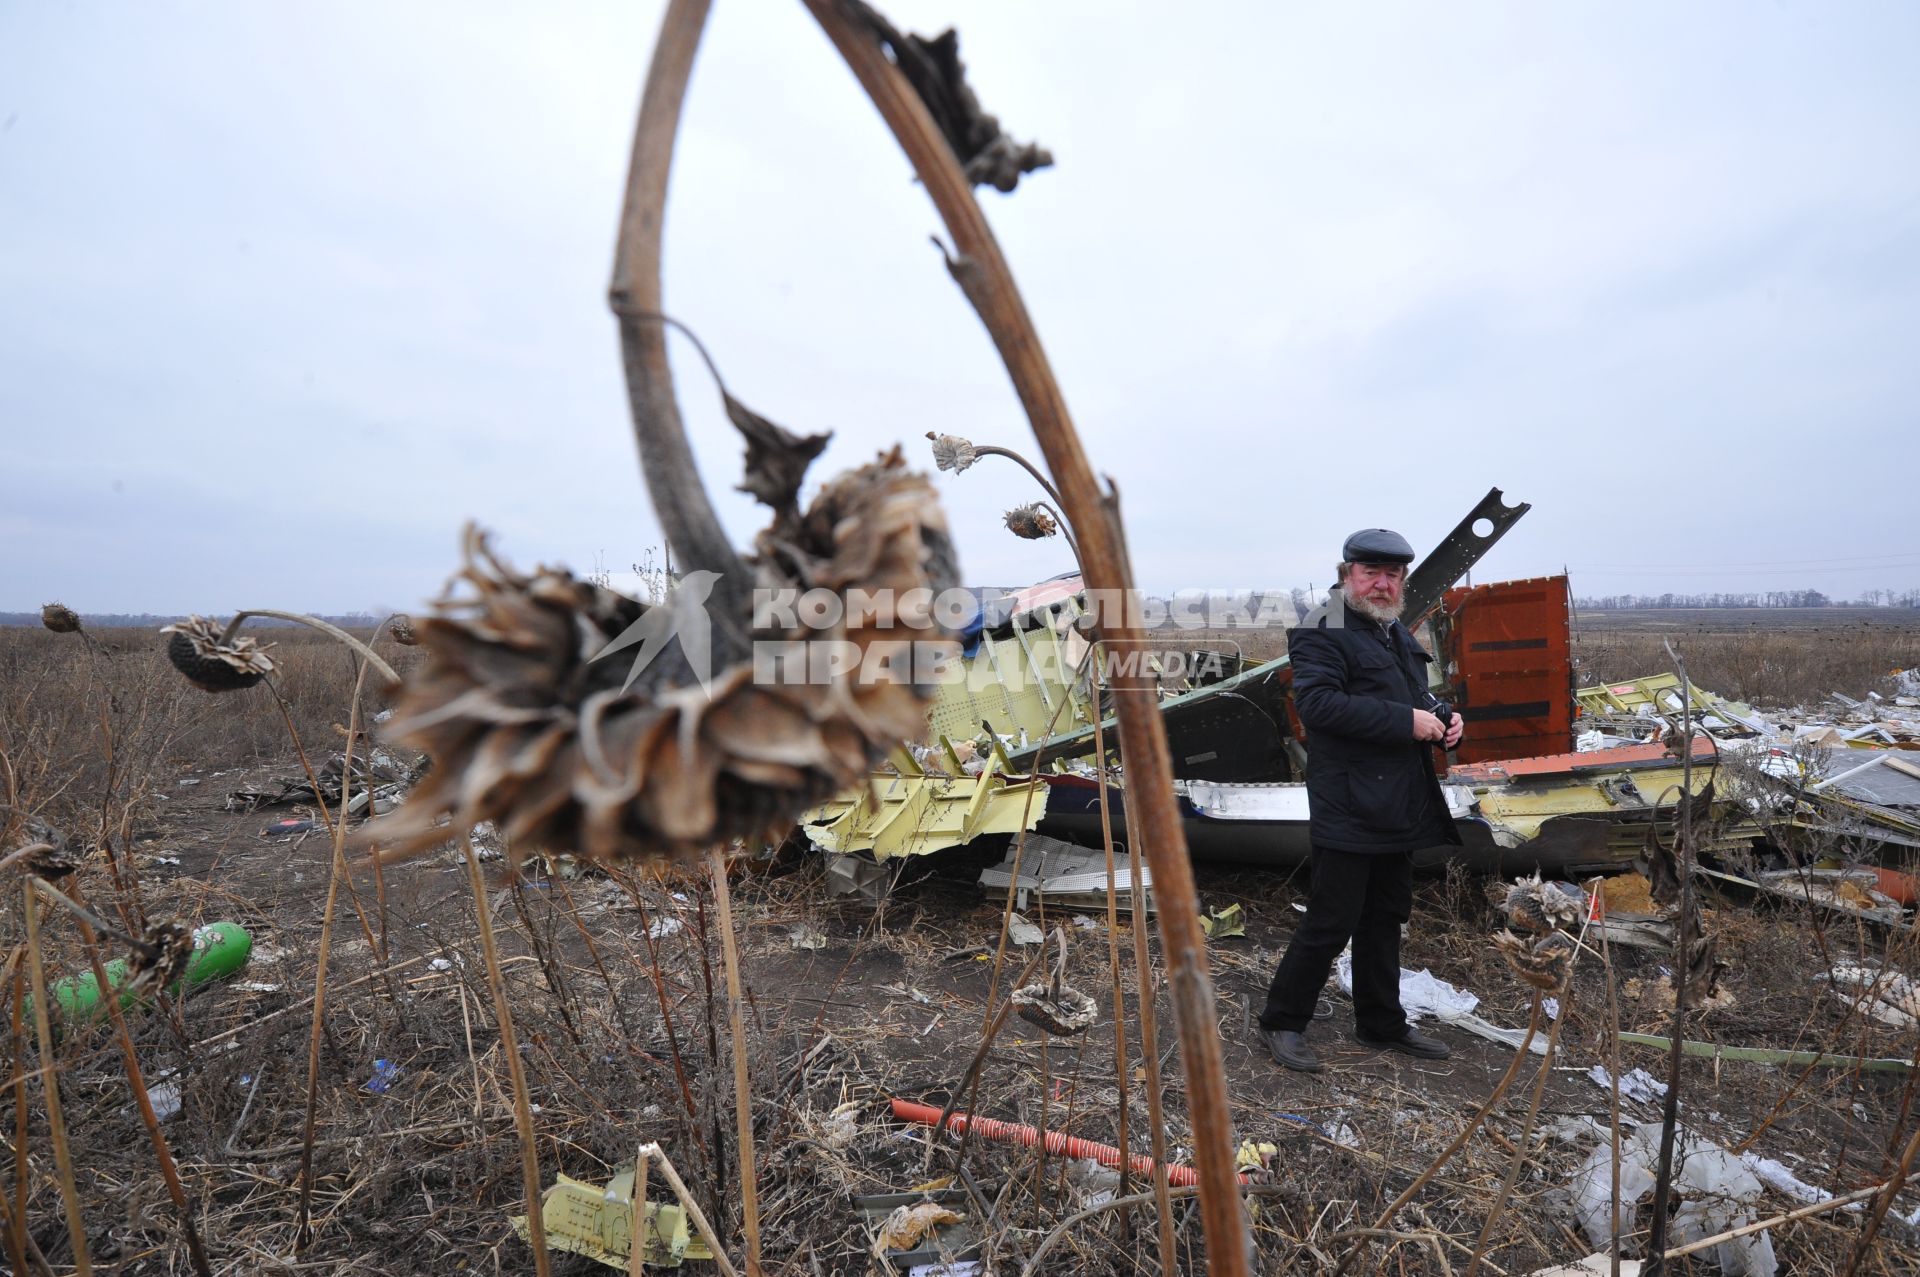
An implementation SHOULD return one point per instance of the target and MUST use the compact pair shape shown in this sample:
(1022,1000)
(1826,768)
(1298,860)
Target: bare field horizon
(1715,620)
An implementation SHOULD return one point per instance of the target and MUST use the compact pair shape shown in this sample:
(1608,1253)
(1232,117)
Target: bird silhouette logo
(682,615)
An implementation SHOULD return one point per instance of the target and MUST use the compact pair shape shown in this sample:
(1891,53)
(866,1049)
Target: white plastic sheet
(1424,995)
(1717,1192)
(1637,1085)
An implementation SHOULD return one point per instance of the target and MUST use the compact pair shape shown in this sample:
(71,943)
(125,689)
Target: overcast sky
(290,292)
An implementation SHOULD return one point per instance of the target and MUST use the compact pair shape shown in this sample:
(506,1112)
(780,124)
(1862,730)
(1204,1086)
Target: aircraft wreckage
(1012,740)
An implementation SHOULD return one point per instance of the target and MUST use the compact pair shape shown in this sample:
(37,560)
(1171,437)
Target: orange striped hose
(1056,1141)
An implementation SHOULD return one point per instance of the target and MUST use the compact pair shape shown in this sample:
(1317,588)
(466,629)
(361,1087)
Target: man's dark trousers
(1358,896)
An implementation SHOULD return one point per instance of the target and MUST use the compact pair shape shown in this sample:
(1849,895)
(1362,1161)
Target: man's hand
(1427,726)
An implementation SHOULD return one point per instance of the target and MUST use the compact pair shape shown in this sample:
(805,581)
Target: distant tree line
(151,621)
(1764,598)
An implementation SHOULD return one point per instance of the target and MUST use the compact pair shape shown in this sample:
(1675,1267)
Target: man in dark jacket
(1360,688)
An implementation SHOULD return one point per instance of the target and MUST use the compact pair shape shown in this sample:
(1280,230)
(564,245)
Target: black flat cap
(1376,545)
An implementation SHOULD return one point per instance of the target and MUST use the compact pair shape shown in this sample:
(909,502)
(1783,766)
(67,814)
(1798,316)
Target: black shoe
(1290,1049)
(1414,1043)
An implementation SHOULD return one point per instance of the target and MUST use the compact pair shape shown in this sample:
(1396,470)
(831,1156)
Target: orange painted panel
(1508,658)
(1485,773)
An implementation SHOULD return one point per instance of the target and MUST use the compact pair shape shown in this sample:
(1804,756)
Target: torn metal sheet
(1268,824)
(1586,812)
(1842,892)
(913,810)
(1461,548)
(382,778)
(1887,996)
(859,876)
(1866,825)
(1634,932)
(1659,696)
(1222,924)
(1256,824)
(1887,779)
(1067,874)
(1020,673)
(1868,799)
(1563,814)
(1850,891)
(1016,676)
(1857,784)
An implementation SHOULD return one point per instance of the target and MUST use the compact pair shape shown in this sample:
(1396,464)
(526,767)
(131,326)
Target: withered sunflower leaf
(934,69)
(777,458)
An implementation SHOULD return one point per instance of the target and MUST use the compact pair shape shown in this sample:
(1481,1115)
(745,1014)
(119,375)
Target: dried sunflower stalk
(212,660)
(401,630)
(528,730)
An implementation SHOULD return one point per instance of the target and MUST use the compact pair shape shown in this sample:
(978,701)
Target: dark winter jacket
(1370,785)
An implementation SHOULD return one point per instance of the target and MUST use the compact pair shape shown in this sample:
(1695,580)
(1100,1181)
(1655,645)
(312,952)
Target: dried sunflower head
(934,69)
(568,753)
(951,452)
(1053,1004)
(401,630)
(46,854)
(1059,1009)
(160,956)
(1536,907)
(20,828)
(1031,522)
(211,661)
(1544,961)
(60,618)
(51,863)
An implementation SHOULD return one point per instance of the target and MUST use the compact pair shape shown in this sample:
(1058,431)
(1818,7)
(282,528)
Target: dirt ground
(624,1038)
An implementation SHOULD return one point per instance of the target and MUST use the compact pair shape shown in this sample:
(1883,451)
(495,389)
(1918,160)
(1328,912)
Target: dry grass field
(619,1013)
(1782,657)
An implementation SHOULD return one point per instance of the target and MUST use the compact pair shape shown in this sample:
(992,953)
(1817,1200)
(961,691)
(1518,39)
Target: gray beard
(1385,613)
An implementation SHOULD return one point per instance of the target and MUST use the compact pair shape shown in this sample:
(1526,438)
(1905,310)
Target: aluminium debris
(1066,875)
